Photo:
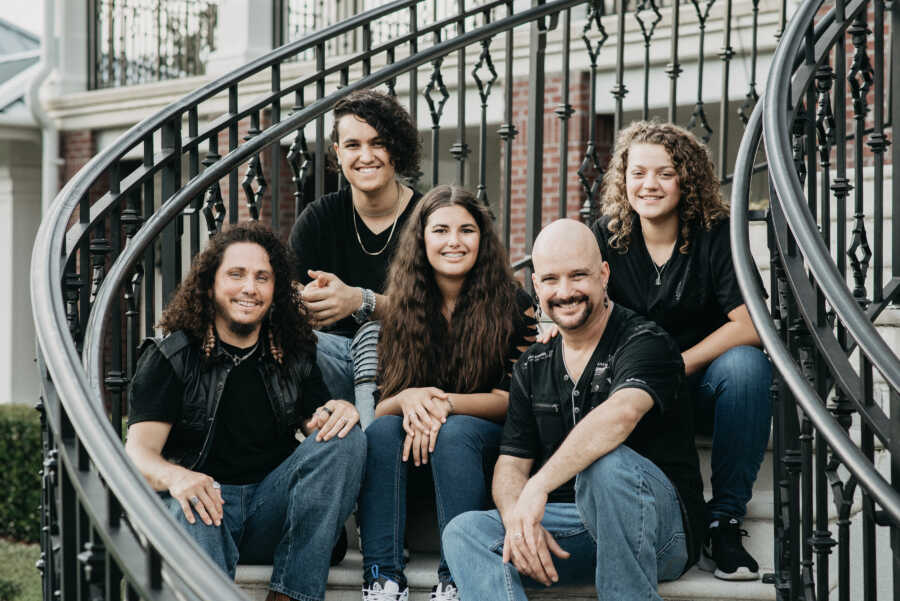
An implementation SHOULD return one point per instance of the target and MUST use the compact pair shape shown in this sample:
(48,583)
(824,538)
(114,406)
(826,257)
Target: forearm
(509,480)
(729,335)
(158,472)
(388,406)
(601,431)
(488,405)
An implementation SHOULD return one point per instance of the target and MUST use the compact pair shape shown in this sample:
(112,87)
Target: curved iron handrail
(776,124)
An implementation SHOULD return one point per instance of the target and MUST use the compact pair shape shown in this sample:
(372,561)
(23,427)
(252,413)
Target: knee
(741,364)
(463,435)
(457,532)
(609,475)
(349,451)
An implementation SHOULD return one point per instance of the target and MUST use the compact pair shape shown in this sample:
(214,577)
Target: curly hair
(701,203)
(193,310)
(393,123)
(417,347)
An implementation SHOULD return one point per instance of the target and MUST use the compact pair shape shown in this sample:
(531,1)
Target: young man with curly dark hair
(344,241)
(215,406)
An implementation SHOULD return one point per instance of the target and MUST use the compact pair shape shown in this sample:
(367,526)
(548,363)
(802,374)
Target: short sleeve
(304,242)
(315,393)
(523,336)
(155,391)
(520,434)
(724,280)
(650,361)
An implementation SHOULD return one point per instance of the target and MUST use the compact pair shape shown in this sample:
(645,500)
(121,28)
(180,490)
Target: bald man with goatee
(598,479)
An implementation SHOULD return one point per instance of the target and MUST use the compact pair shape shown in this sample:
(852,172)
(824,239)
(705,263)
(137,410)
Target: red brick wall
(578,135)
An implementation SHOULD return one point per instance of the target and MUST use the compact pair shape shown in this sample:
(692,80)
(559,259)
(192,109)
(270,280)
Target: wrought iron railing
(139,41)
(837,399)
(112,247)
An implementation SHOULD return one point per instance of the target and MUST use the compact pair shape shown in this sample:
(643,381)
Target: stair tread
(421,572)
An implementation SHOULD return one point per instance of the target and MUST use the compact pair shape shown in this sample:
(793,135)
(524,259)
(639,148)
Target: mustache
(577,298)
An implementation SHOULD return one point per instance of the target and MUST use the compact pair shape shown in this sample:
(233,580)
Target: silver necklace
(659,271)
(238,359)
(390,235)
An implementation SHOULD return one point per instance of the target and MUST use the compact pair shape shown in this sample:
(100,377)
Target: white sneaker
(384,589)
(444,591)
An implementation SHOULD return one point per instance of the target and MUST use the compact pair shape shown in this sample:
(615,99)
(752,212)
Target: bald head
(569,274)
(565,236)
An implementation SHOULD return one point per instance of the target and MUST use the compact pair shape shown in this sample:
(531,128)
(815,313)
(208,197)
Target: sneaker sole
(707,564)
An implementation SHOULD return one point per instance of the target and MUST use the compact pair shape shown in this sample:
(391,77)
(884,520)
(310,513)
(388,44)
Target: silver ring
(195,500)
(216,485)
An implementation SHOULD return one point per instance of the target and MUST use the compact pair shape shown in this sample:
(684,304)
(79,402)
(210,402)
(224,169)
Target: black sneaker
(724,555)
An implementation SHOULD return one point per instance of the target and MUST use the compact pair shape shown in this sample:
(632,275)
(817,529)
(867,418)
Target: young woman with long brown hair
(458,321)
(664,233)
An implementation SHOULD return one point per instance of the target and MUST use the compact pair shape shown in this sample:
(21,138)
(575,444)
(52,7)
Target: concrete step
(345,580)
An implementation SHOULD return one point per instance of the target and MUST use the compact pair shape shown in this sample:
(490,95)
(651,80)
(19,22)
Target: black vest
(204,382)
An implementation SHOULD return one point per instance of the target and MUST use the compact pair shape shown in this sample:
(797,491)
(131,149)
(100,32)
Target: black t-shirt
(246,444)
(544,404)
(323,238)
(696,290)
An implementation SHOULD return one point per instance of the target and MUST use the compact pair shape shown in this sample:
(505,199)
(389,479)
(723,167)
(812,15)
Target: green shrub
(20,456)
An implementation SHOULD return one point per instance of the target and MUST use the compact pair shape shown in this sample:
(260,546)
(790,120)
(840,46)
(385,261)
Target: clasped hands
(328,299)
(527,544)
(425,410)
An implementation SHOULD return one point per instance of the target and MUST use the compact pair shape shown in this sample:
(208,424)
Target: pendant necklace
(658,270)
(238,359)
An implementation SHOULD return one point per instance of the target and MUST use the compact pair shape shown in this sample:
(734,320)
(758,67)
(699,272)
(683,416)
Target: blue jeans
(624,530)
(732,403)
(465,446)
(348,367)
(290,519)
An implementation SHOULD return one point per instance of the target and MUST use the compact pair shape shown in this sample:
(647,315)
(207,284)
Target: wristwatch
(365,310)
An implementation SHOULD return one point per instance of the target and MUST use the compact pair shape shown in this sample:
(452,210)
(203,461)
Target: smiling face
(452,237)
(243,289)
(569,275)
(651,183)
(364,159)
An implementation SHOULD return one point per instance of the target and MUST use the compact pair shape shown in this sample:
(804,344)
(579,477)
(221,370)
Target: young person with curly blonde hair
(458,322)
(664,232)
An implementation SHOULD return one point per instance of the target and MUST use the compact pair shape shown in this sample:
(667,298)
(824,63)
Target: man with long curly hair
(215,406)
(344,241)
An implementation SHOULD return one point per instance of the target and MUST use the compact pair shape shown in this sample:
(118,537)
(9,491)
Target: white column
(20,213)
(71,25)
(244,33)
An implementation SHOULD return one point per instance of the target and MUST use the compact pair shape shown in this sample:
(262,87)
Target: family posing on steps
(389,352)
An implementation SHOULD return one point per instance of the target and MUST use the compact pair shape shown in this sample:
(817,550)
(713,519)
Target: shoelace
(444,592)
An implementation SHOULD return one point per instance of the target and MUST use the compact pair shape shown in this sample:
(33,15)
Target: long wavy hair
(193,310)
(418,347)
(701,203)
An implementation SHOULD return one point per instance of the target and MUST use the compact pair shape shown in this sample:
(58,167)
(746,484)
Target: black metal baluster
(647,14)
(131,222)
(894,114)
(752,97)
(193,210)
(115,378)
(878,144)
(725,55)
(535,133)
(841,186)
(589,171)
(319,164)
(698,116)
(171,178)
(436,109)
(673,69)
(232,145)
(861,79)
(213,205)
(254,174)
(825,142)
(298,159)
(619,90)
(564,111)
(508,131)
(484,91)
(149,254)
(460,150)
(275,150)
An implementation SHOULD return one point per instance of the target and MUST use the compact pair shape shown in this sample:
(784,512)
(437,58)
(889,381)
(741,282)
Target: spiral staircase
(825,514)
